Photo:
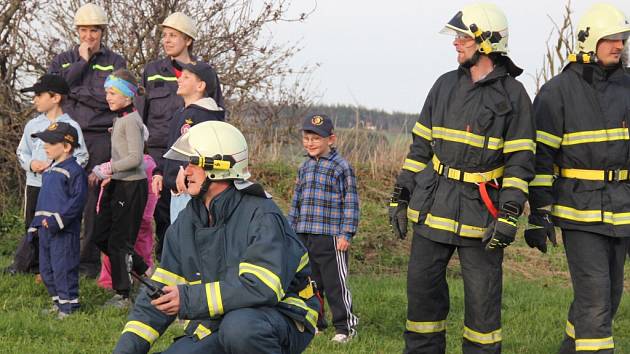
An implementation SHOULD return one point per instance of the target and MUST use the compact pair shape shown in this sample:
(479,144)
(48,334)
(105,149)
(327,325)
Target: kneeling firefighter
(232,267)
(464,184)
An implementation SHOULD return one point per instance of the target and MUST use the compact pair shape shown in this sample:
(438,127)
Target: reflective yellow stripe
(517,183)
(213,298)
(194,282)
(453,226)
(303,262)
(482,338)
(570,330)
(470,177)
(413,165)
(422,131)
(595,136)
(593,175)
(412,215)
(519,145)
(542,181)
(65,65)
(607,217)
(426,327)
(142,330)
(160,77)
(548,139)
(265,275)
(201,332)
(464,137)
(103,68)
(593,344)
(311,315)
(167,278)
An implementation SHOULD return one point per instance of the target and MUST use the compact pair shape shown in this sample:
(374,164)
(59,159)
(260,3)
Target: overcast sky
(387,54)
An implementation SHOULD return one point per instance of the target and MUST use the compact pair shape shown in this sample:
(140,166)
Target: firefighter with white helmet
(464,184)
(231,263)
(161,102)
(582,162)
(85,67)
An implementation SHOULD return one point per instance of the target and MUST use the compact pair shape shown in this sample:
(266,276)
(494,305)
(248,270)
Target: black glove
(502,232)
(398,211)
(539,229)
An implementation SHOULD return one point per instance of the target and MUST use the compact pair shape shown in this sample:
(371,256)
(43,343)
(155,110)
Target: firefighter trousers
(248,330)
(596,266)
(59,267)
(428,297)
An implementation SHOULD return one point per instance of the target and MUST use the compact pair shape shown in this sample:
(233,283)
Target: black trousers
(162,212)
(329,269)
(596,266)
(428,297)
(26,258)
(117,226)
(99,147)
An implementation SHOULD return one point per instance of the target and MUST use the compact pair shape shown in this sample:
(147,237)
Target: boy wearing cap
(195,85)
(325,214)
(57,220)
(49,94)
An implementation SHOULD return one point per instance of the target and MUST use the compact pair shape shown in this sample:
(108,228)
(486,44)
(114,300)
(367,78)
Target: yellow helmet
(181,22)
(90,15)
(601,21)
(217,147)
(484,22)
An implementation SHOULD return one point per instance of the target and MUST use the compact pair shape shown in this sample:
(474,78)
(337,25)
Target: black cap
(59,133)
(205,73)
(319,124)
(49,83)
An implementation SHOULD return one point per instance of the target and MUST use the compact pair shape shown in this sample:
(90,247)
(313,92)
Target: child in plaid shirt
(325,214)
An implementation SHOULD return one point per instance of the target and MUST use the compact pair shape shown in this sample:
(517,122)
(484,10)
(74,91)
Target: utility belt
(481,179)
(595,175)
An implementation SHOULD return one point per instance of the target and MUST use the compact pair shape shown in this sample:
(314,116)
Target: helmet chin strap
(204,189)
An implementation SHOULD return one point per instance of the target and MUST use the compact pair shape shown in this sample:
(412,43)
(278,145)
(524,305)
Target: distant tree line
(347,116)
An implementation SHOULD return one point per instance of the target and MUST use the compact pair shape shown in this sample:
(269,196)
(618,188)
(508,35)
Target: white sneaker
(344,338)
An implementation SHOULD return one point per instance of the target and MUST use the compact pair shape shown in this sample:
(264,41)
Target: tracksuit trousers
(59,267)
(428,297)
(117,225)
(329,269)
(258,330)
(596,266)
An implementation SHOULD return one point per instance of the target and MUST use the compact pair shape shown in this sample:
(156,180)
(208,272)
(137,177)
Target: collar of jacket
(498,72)
(64,162)
(594,72)
(221,207)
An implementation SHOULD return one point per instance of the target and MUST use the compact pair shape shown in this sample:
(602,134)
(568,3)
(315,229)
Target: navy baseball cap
(49,83)
(205,73)
(59,133)
(319,124)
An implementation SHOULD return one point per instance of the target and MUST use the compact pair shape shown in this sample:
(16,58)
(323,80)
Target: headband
(121,86)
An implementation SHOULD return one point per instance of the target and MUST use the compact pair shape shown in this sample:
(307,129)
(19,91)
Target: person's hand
(398,211)
(502,232)
(539,229)
(45,223)
(169,302)
(93,179)
(157,182)
(85,51)
(342,244)
(38,166)
(103,170)
(180,181)
(106,182)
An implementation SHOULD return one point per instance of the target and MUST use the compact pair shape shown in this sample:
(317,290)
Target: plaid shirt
(325,201)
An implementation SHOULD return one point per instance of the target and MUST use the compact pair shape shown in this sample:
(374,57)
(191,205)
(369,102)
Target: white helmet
(179,21)
(90,15)
(601,21)
(484,22)
(217,147)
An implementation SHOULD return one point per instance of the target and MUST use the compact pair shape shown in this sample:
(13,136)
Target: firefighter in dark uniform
(85,67)
(464,184)
(160,102)
(581,185)
(232,266)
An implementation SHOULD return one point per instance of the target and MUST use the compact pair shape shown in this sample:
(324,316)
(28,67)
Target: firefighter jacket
(62,198)
(203,110)
(468,133)
(161,101)
(248,257)
(86,101)
(582,118)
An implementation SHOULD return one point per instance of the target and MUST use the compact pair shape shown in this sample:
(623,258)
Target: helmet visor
(621,36)
(173,154)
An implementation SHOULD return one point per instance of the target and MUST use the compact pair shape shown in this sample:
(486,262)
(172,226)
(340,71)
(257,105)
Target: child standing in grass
(57,220)
(325,214)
